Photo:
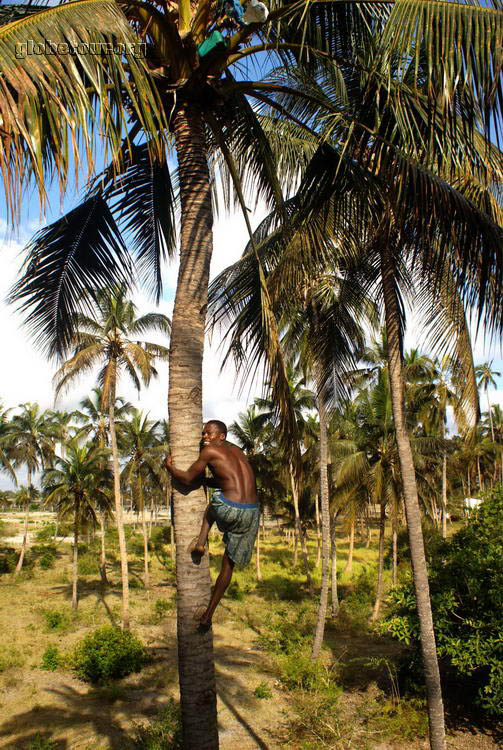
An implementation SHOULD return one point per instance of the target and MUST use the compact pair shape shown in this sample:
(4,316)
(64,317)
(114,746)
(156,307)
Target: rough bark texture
(335,595)
(299,535)
(103,564)
(318,530)
(348,568)
(380,564)
(144,530)
(418,558)
(325,533)
(257,556)
(118,513)
(75,571)
(25,540)
(195,649)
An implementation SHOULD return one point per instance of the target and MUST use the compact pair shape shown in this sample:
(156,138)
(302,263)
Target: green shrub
(46,532)
(162,733)
(88,564)
(8,560)
(262,691)
(46,554)
(162,607)
(7,529)
(108,653)
(52,659)
(10,657)
(41,743)
(56,619)
(287,631)
(466,584)
(235,592)
(360,596)
(297,671)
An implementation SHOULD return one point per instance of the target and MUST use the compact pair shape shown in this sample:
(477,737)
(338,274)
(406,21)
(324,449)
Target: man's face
(211,435)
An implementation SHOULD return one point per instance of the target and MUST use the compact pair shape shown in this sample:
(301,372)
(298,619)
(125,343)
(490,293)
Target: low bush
(262,691)
(287,630)
(108,653)
(359,598)
(88,564)
(297,671)
(10,657)
(52,659)
(162,733)
(466,584)
(45,554)
(162,607)
(56,619)
(42,743)
(8,560)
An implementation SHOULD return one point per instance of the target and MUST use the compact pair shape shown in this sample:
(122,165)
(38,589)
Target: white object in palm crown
(256,12)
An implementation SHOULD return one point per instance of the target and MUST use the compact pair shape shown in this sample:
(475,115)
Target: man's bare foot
(204,623)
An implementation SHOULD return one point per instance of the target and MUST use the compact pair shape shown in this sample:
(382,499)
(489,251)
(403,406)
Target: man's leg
(199,547)
(223,580)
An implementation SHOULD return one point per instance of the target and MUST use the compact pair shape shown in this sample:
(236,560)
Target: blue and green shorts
(239,523)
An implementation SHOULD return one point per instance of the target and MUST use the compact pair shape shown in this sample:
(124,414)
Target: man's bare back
(231,471)
(230,468)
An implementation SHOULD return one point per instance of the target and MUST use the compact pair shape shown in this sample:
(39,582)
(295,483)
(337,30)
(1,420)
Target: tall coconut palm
(140,446)
(31,439)
(191,89)
(79,484)
(485,378)
(110,339)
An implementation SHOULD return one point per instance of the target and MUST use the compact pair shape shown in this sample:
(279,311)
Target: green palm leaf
(66,262)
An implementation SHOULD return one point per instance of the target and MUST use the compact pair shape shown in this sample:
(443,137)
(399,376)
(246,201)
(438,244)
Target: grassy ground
(270,694)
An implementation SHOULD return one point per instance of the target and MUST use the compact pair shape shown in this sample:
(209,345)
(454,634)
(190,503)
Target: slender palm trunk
(418,558)
(348,568)
(318,530)
(257,556)
(394,573)
(335,595)
(325,532)
(195,649)
(299,532)
(380,563)
(490,415)
(444,495)
(144,530)
(25,530)
(118,512)
(75,568)
(479,474)
(103,564)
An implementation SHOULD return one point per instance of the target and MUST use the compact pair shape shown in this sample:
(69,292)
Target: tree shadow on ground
(96,713)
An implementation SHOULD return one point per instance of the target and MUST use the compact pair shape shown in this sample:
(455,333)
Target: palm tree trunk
(348,568)
(195,649)
(118,511)
(480,476)
(394,573)
(257,556)
(325,532)
(25,539)
(103,565)
(413,514)
(335,595)
(75,569)
(318,530)
(144,530)
(380,563)
(25,530)
(299,533)
(490,415)
(444,495)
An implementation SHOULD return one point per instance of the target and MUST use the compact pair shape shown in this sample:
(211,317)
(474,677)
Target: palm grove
(365,130)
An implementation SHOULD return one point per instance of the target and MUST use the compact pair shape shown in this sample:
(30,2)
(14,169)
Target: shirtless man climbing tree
(234,508)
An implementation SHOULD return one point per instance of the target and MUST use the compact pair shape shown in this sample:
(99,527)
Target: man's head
(214,432)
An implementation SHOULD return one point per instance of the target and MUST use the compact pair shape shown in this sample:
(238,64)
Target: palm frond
(50,102)
(144,202)
(66,262)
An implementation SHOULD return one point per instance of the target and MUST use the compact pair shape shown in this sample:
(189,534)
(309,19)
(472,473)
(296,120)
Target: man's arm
(192,473)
